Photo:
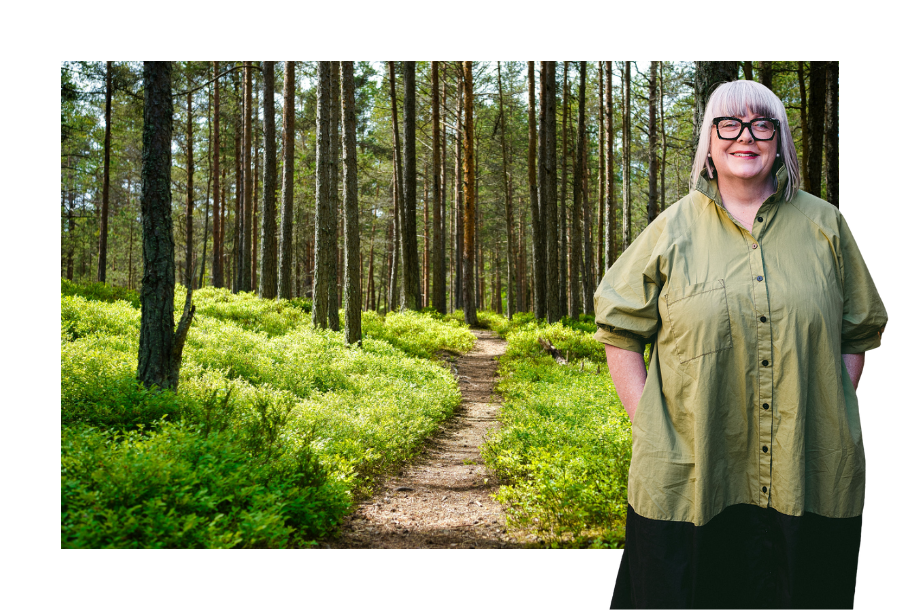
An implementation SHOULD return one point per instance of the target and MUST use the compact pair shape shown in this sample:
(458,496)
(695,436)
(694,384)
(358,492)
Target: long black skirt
(745,557)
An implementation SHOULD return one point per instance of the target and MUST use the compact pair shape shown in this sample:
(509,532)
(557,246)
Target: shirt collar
(710,188)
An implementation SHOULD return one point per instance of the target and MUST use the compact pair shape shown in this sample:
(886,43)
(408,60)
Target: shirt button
(762,318)
(765,489)
(765,406)
(755,246)
(765,363)
(765,449)
(759,218)
(758,278)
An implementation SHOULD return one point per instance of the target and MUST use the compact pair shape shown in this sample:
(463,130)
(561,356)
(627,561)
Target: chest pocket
(698,317)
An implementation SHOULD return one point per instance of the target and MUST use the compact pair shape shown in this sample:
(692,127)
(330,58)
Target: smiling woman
(747,477)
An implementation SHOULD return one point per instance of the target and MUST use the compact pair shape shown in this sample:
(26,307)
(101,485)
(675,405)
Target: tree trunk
(286,246)
(765,73)
(104,210)
(816,119)
(245,283)
(831,133)
(507,192)
(237,234)
(653,199)
(537,219)
(254,252)
(804,129)
(469,312)
(411,297)
(562,237)
(610,253)
(189,204)
(626,156)
(708,75)
(216,266)
(459,194)
(438,273)
(325,255)
(601,174)
(159,351)
(580,250)
(662,131)
(399,279)
(334,169)
(352,296)
(748,70)
(268,279)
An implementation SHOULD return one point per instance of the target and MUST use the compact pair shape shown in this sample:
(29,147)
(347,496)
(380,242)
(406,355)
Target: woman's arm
(629,374)
(853,362)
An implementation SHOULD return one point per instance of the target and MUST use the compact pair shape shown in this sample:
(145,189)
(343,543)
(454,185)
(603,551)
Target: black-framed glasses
(731,128)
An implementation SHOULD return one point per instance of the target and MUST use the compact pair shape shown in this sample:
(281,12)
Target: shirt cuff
(621,339)
(858,347)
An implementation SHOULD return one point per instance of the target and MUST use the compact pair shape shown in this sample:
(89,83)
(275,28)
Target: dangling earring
(777,154)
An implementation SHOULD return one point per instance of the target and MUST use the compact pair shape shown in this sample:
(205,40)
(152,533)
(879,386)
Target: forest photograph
(375,304)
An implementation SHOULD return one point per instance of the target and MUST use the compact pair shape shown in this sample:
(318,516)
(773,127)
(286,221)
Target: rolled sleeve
(625,303)
(864,316)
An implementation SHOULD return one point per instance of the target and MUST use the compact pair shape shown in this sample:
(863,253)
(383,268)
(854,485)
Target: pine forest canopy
(438,191)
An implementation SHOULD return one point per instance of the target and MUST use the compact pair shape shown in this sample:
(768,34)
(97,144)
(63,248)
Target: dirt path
(442,498)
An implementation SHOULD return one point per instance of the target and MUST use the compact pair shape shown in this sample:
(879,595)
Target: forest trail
(442,498)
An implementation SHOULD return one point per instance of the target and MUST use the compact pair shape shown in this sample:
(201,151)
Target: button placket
(765,363)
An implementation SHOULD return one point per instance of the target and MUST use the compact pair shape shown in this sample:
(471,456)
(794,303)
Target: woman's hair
(736,99)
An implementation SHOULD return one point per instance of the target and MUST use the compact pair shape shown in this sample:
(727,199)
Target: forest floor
(441,499)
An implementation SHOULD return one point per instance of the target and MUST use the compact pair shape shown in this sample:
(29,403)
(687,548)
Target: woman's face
(746,160)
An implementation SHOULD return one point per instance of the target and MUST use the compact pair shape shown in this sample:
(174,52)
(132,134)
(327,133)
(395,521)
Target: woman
(747,472)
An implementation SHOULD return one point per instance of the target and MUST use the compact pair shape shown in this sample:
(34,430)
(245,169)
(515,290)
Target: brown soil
(442,498)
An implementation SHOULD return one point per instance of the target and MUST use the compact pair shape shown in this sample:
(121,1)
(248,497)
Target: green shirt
(747,400)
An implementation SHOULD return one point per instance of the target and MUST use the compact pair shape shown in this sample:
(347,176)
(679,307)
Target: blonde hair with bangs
(736,99)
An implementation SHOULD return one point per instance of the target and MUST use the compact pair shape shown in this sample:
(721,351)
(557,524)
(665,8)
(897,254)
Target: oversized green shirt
(747,400)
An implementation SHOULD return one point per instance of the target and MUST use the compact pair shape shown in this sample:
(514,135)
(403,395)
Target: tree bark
(581,251)
(653,199)
(816,119)
(325,256)
(562,237)
(159,351)
(610,253)
(286,245)
(189,204)
(748,70)
(245,283)
(459,193)
(104,210)
(352,289)
(507,192)
(601,174)
(626,156)
(438,273)
(411,297)
(469,312)
(547,186)
(216,266)
(537,219)
(831,134)
(765,73)
(400,206)
(268,279)
(804,129)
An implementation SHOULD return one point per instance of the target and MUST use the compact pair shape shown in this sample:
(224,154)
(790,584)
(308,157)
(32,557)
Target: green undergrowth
(276,427)
(564,446)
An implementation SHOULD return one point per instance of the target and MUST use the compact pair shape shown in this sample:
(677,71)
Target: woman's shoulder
(678,218)
(816,210)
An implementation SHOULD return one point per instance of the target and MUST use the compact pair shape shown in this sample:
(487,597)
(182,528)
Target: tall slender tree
(539,254)
(816,119)
(507,193)
(469,312)
(104,204)
(160,349)
(831,134)
(411,296)
(325,257)
(352,288)
(189,203)
(580,251)
(562,237)
(246,268)
(268,279)
(217,280)
(438,272)
(610,253)
(334,152)
(285,240)
(626,155)
(652,200)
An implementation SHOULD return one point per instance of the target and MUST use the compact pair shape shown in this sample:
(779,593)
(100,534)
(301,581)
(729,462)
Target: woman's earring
(777,154)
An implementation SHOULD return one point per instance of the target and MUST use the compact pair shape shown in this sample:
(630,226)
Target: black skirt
(745,557)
